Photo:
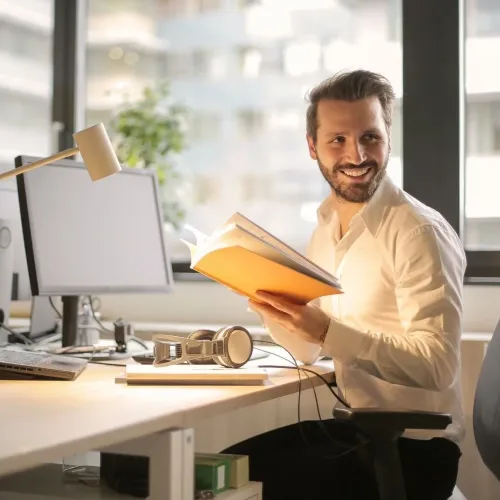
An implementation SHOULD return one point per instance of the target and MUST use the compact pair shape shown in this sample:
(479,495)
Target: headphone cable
(349,447)
(339,398)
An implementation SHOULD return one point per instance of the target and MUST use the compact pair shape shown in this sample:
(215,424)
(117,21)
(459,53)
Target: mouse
(145,358)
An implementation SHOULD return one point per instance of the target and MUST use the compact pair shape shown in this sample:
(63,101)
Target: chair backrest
(486,419)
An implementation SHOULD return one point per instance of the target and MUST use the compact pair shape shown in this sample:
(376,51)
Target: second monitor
(85,238)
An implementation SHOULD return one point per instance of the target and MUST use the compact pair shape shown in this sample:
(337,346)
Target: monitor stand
(70,319)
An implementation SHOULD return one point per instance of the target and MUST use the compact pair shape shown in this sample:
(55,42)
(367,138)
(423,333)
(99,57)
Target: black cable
(140,342)
(339,398)
(95,317)
(320,422)
(308,376)
(350,448)
(135,339)
(306,371)
(106,363)
(299,399)
(59,315)
(23,338)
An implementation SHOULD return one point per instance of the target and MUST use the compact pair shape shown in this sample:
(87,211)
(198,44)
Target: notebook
(192,375)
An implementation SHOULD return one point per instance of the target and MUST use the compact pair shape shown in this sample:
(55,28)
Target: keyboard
(39,365)
(21,358)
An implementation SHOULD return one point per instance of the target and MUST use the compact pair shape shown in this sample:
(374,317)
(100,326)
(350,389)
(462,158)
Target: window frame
(434,79)
(68,73)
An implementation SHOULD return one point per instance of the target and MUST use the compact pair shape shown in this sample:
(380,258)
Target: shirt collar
(372,214)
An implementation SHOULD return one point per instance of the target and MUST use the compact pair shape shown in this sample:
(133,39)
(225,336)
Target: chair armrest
(392,419)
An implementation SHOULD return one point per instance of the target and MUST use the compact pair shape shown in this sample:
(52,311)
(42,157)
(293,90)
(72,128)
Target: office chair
(384,427)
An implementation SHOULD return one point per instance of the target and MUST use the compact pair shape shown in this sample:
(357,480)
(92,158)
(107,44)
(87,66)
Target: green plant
(149,133)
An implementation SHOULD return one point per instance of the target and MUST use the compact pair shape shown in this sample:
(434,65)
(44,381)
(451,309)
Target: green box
(239,467)
(212,473)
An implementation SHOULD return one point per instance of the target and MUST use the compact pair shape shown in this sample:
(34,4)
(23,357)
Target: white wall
(207,302)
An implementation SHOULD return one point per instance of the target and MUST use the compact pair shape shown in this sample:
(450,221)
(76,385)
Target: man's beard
(359,192)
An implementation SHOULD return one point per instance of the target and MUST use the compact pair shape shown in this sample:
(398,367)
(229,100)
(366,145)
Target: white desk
(42,421)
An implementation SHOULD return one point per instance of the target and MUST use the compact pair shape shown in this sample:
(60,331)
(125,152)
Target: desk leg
(171,464)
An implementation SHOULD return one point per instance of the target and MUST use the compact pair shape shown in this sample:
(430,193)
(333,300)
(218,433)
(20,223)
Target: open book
(246,258)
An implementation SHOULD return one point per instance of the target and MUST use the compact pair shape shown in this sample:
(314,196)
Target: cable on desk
(23,338)
(51,302)
(300,386)
(92,310)
(298,403)
(106,363)
(338,397)
(349,448)
(104,329)
(306,371)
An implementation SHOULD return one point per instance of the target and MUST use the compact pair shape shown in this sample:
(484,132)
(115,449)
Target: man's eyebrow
(335,134)
(375,131)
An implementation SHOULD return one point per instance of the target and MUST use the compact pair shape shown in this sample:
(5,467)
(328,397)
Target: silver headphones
(230,347)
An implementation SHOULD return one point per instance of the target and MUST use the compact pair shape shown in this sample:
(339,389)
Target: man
(394,334)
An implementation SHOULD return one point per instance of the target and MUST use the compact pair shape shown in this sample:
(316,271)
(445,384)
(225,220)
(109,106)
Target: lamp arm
(39,163)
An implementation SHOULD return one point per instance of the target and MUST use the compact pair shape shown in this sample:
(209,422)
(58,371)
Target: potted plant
(150,133)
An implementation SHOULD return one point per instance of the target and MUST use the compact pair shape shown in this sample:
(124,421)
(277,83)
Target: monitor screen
(83,237)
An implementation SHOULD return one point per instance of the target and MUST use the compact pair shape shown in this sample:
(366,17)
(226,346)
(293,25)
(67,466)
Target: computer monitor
(85,238)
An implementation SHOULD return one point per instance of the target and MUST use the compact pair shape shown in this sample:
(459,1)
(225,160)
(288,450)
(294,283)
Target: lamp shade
(97,152)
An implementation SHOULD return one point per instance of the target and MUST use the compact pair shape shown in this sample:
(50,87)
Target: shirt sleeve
(429,269)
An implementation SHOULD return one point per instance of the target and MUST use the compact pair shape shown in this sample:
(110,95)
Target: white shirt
(395,332)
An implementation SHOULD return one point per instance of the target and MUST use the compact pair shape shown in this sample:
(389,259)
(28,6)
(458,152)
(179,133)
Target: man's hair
(350,86)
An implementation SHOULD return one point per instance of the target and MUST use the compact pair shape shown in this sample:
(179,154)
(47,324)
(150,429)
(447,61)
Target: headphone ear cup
(202,335)
(219,334)
(238,346)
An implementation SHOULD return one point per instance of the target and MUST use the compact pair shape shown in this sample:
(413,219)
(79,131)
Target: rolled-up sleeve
(429,267)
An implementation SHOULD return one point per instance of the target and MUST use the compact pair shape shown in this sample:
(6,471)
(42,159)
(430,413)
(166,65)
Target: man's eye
(338,139)
(370,137)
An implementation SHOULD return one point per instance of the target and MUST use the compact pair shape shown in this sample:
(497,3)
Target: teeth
(356,173)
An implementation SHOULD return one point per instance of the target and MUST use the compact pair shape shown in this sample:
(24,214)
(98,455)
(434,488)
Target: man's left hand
(308,321)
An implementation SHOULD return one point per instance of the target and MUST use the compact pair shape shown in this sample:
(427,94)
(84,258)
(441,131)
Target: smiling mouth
(358,174)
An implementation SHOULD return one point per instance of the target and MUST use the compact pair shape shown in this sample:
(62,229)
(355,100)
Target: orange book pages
(246,272)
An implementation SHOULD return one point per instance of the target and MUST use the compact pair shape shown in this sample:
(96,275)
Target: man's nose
(355,153)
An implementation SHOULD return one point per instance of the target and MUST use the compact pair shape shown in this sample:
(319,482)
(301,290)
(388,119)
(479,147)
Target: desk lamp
(95,147)
(100,159)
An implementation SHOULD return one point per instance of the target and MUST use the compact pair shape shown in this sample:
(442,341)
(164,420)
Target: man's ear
(312,147)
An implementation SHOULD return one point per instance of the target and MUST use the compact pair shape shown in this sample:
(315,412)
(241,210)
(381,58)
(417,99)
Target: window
(261,61)
(207,5)
(203,127)
(483,18)
(26,79)
(244,90)
(26,33)
(303,58)
(250,123)
(481,229)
